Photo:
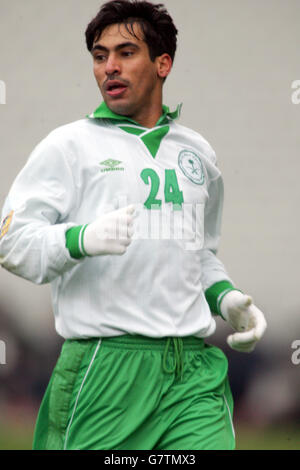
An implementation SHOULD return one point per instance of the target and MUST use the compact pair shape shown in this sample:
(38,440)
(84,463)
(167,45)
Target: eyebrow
(98,47)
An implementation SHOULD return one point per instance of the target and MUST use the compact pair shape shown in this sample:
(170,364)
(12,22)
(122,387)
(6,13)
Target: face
(130,83)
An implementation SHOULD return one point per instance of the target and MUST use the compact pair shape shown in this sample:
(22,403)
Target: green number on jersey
(171,189)
(153,176)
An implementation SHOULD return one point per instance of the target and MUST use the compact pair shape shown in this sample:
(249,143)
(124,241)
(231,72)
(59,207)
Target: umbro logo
(111,165)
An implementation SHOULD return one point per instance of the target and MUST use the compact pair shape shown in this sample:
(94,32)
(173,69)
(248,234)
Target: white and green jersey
(169,280)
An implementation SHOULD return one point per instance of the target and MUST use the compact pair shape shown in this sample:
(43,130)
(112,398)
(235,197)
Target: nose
(112,65)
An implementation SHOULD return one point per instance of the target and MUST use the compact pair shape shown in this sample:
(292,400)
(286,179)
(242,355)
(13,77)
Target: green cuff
(74,241)
(215,293)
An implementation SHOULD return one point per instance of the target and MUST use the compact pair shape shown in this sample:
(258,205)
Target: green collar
(103,112)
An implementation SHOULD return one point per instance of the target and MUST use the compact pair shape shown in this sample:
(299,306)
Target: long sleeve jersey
(101,163)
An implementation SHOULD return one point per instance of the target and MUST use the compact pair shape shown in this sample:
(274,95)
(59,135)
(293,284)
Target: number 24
(171,189)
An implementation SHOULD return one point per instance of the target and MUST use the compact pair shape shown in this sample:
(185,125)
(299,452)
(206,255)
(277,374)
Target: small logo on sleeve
(111,165)
(5,224)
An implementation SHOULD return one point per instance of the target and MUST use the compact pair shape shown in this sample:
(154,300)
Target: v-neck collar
(151,137)
(104,112)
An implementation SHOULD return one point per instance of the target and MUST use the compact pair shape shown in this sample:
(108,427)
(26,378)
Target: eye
(127,53)
(99,58)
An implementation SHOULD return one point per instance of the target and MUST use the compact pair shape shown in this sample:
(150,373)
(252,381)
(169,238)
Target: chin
(120,108)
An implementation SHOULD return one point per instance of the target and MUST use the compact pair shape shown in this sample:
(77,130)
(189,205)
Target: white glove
(110,234)
(245,318)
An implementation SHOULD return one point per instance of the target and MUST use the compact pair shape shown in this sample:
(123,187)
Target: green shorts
(137,393)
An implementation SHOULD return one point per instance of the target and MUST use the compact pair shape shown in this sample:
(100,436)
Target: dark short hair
(160,33)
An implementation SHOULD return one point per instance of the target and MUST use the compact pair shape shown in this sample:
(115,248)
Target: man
(121,213)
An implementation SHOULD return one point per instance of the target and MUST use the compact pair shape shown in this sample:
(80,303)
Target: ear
(164,65)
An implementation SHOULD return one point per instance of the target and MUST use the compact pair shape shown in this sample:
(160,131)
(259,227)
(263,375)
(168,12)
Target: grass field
(279,438)
(283,438)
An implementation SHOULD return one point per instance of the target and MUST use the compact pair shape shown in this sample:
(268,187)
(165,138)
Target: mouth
(115,88)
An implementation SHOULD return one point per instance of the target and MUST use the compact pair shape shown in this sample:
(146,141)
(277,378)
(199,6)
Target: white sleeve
(32,236)
(213,270)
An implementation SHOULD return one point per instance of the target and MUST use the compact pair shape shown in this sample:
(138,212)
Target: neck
(147,119)
(149,114)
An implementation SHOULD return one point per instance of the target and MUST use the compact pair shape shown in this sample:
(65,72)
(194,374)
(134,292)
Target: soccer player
(121,212)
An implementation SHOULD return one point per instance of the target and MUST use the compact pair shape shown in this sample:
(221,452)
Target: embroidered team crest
(5,224)
(191,166)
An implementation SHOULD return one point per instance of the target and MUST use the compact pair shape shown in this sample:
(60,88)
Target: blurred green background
(18,436)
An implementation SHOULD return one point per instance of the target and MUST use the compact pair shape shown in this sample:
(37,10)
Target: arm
(215,279)
(32,245)
(221,294)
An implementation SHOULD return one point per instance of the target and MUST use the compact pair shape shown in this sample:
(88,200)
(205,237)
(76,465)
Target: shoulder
(58,144)
(74,131)
(195,139)
(67,140)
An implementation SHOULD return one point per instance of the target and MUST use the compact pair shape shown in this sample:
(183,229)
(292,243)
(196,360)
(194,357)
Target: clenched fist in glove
(110,234)
(245,318)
